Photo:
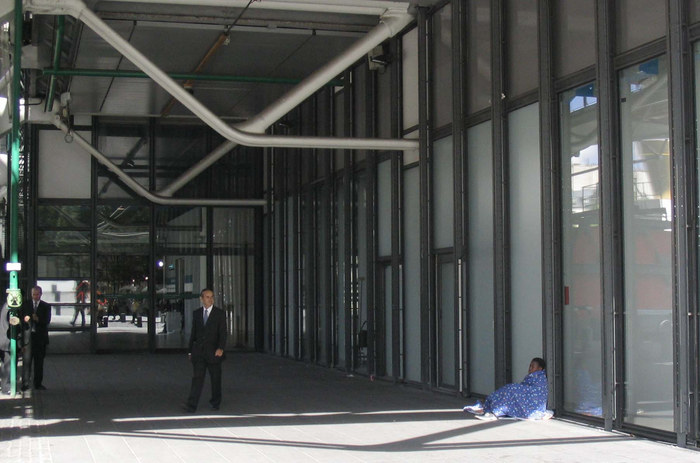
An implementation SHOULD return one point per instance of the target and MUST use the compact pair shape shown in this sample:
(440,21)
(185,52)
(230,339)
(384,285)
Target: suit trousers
(27,354)
(199,368)
(38,354)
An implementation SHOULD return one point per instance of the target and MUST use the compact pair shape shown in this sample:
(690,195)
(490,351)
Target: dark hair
(540,362)
(205,290)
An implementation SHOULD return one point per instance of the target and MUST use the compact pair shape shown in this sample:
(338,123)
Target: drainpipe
(140,190)
(80,11)
(56,62)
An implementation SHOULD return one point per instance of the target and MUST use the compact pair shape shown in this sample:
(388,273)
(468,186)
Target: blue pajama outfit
(526,400)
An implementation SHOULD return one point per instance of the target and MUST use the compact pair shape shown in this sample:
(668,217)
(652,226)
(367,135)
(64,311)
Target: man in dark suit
(36,316)
(206,351)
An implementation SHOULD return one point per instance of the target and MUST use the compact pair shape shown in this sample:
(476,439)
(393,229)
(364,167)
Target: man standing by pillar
(206,350)
(37,314)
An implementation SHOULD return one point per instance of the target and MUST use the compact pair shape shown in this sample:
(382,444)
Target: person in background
(206,350)
(37,314)
(526,400)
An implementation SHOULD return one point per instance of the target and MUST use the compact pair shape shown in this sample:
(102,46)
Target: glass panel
(179,280)
(70,242)
(383,108)
(409,57)
(123,229)
(233,228)
(324,269)
(574,47)
(388,322)
(181,228)
(481,318)
(639,22)
(581,251)
(409,157)
(447,324)
(123,282)
(479,67)
(526,237)
(127,147)
(443,194)
(694,11)
(177,148)
(234,277)
(62,216)
(521,42)
(64,169)
(411,273)
(63,266)
(361,259)
(648,240)
(442,66)
(339,126)
(291,300)
(384,208)
(69,303)
(278,264)
(340,272)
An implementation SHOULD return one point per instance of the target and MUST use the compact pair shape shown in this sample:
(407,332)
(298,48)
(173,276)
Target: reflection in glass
(581,251)
(127,147)
(63,241)
(179,280)
(181,228)
(123,303)
(63,216)
(647,225)
(63,266)
(70,302)
(123,227)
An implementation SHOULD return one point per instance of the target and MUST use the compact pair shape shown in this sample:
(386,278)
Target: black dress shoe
(40,387)
(188,408)
(214,407)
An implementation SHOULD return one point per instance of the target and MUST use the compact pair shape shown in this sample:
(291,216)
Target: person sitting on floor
(526,400)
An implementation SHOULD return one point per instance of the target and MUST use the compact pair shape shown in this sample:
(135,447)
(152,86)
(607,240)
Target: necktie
(206,315)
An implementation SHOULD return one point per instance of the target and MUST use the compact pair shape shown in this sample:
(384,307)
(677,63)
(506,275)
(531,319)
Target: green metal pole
(56,62)
(177,76)
(14,297)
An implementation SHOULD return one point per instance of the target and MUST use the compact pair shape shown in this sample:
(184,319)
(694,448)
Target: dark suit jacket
(41,326)
(205,339)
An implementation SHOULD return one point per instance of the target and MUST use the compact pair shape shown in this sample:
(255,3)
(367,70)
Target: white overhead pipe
(359,7)
(79,10)
(140,190)
(388,27)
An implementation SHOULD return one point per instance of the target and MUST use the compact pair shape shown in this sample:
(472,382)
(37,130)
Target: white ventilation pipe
(359,7)
(79,10)
(388,27)
(140,190)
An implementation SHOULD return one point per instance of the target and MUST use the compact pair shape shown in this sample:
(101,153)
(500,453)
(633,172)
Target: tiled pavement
(126,408)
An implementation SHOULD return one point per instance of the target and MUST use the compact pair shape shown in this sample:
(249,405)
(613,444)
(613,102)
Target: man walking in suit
(206,350)
(37,316)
